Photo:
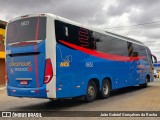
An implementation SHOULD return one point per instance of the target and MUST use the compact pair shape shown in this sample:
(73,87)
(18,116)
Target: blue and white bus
(48,56)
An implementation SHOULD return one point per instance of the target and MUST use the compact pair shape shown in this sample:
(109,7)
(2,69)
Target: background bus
(52,57)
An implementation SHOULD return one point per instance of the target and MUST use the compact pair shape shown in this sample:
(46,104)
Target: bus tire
(91,92)
(145,84)
(106,88)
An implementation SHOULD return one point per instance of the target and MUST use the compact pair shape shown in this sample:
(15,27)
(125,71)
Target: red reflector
(47,91)
(48,71)
(6,77)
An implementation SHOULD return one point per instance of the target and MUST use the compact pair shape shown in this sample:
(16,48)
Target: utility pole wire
(141,24)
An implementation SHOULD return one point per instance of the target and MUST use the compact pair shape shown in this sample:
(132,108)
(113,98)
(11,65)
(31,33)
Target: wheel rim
(91,91)
(105,89)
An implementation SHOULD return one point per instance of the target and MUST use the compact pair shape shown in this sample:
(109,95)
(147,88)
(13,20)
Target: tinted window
(26,29)
(131,53)
(74,34)
(111,45)
(143,52)
(149,57)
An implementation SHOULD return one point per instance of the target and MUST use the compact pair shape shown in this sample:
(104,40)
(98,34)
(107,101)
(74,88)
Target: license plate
(24,82)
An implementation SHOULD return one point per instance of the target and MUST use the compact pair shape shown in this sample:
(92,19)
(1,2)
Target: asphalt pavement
(127,99)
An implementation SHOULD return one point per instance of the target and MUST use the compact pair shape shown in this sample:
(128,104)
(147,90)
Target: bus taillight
(48,71)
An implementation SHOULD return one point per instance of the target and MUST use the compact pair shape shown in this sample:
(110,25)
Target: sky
(103,14)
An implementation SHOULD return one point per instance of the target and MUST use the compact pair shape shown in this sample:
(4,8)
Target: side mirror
(154,58)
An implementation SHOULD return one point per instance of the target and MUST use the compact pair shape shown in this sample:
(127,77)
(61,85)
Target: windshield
(27,29)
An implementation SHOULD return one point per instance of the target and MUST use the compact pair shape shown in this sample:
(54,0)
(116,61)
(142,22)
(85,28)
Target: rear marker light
(77,86)
(58,89)
(13,90)
(48,71)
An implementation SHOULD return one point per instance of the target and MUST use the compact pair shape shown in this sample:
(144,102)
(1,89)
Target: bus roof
(81,25)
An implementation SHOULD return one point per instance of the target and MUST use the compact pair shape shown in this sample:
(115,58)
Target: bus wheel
(91,92)
(106,88)
(145,84)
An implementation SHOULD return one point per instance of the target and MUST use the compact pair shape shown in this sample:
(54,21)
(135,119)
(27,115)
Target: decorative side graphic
(65,60)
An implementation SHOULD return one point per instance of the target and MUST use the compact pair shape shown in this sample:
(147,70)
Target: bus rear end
(28,70)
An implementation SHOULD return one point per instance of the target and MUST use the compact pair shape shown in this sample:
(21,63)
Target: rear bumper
(39,92)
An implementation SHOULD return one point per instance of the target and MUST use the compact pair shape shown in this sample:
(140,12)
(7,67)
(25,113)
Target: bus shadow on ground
(59,105)
(126,90)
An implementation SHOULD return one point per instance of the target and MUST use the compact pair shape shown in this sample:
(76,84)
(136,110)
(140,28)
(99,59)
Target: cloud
(137,12)
(97,13)
(70,9)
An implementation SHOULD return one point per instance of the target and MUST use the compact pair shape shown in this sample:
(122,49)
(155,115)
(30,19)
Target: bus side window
(97,37)
(135,54)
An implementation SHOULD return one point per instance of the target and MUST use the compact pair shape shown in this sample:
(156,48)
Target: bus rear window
(27,29)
